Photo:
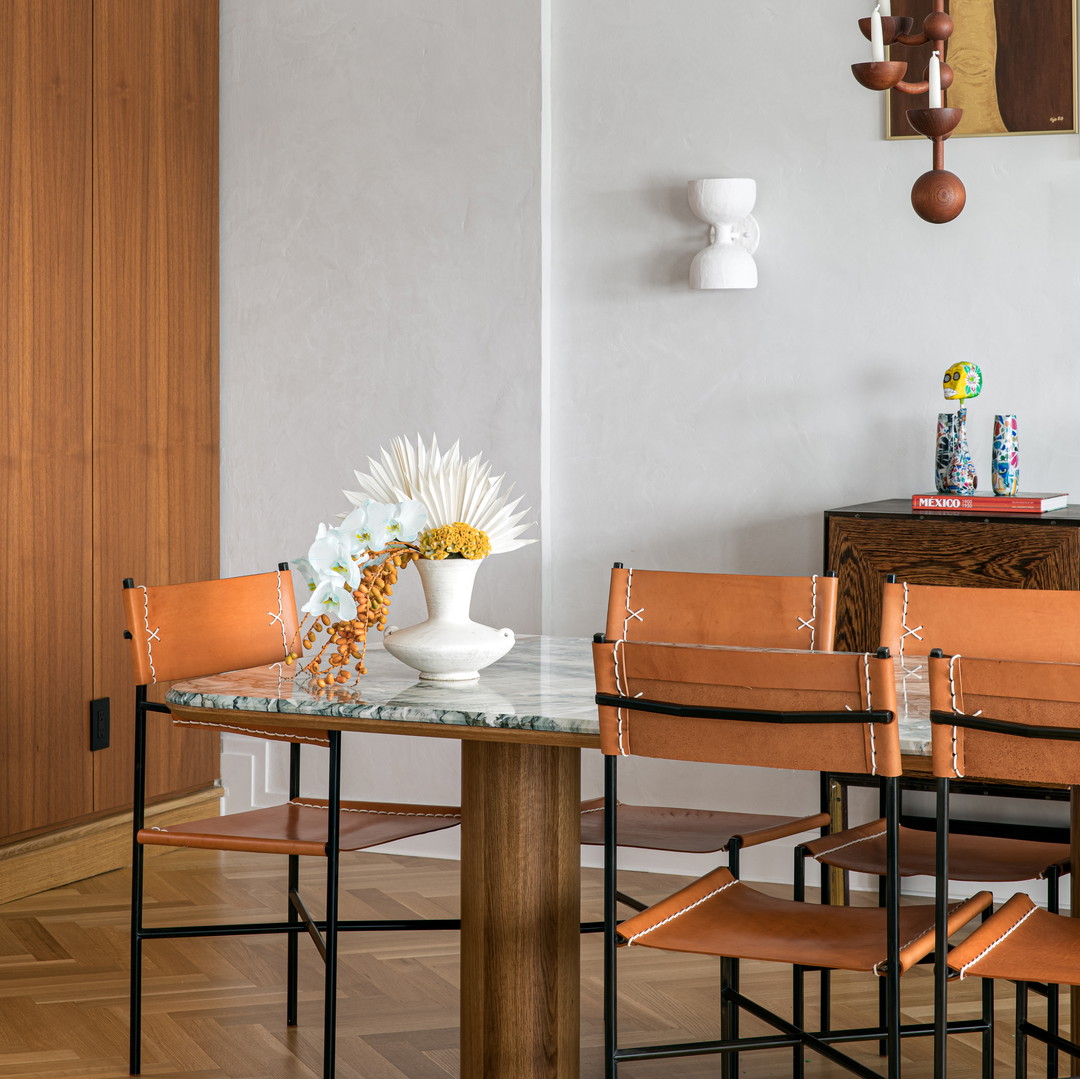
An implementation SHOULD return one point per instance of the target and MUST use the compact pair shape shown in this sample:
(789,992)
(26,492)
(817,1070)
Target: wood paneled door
(108,385)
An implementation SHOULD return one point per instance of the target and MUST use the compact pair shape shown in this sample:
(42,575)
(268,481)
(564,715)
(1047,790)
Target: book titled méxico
(1021,502)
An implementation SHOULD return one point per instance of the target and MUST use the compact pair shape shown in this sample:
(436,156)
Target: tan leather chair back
(1032,694)
(1017,623)
(722,608)
(190,630)
(754,680)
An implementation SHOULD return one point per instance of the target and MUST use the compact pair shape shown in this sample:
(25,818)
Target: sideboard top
(901,507)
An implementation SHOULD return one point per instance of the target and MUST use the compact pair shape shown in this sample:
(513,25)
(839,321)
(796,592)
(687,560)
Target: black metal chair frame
(1025,1029)
(792,1035)
(324,931)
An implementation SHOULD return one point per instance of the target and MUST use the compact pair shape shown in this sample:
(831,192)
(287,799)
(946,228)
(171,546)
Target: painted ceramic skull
(961,381)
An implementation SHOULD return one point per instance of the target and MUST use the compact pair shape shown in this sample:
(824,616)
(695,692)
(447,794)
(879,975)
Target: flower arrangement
(351,568)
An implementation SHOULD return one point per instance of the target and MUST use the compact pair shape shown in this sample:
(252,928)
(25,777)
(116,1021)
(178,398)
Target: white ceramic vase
(449,646)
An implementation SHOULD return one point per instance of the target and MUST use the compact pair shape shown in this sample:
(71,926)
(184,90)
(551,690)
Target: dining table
(522,726)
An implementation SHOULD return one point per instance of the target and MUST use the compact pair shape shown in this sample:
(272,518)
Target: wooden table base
(520,912)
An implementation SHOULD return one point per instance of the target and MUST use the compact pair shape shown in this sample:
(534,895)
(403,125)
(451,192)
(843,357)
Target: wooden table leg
(520,885)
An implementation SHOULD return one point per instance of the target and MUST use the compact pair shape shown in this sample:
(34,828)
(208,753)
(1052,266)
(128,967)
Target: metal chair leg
(1021,1039)
(138,818)
(135,1006)
(1053,992)
(333,857)
(611,993)
(292,974)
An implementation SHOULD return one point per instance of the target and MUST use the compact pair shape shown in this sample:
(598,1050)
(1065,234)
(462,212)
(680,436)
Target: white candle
(935,81)
(886,7)
(877,46)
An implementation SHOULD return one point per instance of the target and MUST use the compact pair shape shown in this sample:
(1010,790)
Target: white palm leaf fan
(451,490)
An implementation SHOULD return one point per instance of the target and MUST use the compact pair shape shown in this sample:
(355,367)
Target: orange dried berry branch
(346,642)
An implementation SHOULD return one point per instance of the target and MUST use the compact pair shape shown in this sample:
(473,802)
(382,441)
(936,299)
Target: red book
(1024,502)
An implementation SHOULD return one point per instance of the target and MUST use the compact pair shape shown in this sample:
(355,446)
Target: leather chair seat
(719,915)
(694,831)
(300,826)
(971,857)
(1021,942)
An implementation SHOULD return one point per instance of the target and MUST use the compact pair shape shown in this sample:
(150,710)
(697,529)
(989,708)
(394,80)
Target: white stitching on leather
(630,612)
(850,843)
(869,707)
(287,736)
(952,700)
(918,936)
(149,636)
(803,623)
(280,616)
(376,812)
(964,969)
(680,913)
(908,631)
(619,688)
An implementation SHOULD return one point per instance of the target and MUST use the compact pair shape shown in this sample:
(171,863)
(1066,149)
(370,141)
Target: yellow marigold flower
(458,539)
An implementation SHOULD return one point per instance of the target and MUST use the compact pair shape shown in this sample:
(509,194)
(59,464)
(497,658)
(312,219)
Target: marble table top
(542,684)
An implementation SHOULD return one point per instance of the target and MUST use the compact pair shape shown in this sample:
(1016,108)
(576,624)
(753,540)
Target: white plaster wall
(708,430)
(380,266)
(381,272)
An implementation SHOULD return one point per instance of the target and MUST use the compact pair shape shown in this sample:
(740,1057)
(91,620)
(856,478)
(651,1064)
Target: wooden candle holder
(934,123)
(880,74)
(937,196)
(892,27)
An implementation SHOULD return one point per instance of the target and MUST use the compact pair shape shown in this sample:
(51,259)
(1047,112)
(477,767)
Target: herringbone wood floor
(214,1008)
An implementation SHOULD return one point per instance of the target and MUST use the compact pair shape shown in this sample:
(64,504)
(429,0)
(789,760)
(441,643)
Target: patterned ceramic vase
(946,439)
(954,471)
(1005,460)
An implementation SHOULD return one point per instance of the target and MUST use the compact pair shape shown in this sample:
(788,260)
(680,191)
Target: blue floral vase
(1005,459)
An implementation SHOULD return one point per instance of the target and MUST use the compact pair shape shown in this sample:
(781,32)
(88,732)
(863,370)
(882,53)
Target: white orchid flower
(307,571)
(331,556)
(368,526)
(332,597)
(406,521)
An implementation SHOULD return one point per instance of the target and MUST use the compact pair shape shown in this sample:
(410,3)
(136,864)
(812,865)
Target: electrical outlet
(99,723)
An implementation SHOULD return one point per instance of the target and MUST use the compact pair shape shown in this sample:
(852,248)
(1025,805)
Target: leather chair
(711,609)
(826,712)
(1020,622)
(1007,720)
(191,630)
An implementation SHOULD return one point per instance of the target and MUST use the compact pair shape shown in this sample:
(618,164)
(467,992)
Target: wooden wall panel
(155,344)
(45,479)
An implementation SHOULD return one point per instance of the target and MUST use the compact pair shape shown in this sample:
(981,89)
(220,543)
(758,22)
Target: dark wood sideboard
(1000,550)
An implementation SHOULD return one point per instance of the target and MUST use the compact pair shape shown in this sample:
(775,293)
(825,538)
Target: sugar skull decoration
(961,381)
(954,471)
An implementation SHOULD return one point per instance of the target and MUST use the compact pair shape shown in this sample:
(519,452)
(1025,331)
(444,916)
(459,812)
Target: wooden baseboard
(85,850)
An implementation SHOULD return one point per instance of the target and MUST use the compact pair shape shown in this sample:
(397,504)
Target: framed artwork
(1014,63)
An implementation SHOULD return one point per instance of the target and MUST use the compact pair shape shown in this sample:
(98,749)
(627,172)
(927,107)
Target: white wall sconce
(728,261)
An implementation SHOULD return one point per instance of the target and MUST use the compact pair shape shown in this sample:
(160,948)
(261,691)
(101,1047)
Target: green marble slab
(542,684)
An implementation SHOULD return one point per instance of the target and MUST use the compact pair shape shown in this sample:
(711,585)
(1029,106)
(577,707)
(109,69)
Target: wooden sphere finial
(938,26)
(938,196)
